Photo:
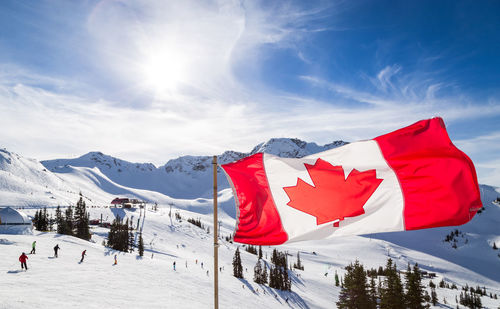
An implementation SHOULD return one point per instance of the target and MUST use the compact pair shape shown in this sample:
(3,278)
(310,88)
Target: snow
(151,282)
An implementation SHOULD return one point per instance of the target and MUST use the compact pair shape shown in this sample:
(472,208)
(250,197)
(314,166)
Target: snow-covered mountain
(184,177)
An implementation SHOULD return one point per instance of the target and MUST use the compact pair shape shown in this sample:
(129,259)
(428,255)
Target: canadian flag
(413,178)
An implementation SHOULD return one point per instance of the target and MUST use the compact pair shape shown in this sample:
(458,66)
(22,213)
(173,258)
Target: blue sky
(150,81)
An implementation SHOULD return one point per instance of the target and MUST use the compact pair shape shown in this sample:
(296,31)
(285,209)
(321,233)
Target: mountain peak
(293,147)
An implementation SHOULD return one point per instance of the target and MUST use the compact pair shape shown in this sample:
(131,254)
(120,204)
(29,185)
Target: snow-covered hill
(151,282)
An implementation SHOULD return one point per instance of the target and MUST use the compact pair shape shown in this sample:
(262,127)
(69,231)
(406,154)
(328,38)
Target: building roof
(10,215)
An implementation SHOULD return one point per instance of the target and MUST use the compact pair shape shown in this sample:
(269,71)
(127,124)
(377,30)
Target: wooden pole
(216,243)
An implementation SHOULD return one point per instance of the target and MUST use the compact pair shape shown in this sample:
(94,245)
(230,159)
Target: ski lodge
(13,221)
(127,202)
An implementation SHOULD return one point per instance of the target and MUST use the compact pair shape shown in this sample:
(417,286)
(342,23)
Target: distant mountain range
(100,177)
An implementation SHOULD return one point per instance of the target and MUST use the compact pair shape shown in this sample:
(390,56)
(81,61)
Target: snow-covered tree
(258,273)
(237,267)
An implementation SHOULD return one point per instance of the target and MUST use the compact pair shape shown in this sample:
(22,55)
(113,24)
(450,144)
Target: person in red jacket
(83,255)
(23,259)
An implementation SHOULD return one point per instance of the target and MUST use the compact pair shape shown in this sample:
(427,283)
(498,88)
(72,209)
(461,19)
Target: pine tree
(495,246)
(372,293)
(434,298)
(415,294)
(68,229)
(264,273)
(391,294)
(337,283)
(260,252)
(60,221)
(51,223)
(130,240)
(118,236)
(298,265)
(82,220)
(258,273)
(141,245)
(237,267)
(354,293)
(36,220)
(45,220)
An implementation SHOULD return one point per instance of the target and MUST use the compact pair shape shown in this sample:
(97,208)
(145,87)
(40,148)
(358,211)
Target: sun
(164,70)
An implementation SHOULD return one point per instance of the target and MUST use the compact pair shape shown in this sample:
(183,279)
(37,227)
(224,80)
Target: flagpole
(216,244)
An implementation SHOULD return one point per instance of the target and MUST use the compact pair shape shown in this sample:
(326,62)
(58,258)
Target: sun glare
(164,70)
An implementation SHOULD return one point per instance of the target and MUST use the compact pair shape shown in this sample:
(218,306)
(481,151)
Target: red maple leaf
(332,197)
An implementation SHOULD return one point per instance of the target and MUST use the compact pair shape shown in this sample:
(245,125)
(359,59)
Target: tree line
(71,222)
(278,276)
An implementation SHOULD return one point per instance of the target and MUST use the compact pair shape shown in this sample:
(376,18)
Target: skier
(116,261)
(83,255)
(56,248)
(201,265)
(33,246)
(23,259)
(174,265)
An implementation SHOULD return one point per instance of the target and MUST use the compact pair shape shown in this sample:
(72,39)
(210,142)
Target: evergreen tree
(141,245)
(45,220)
(414,290)
(391,293)
(278,275)
(36,220)
(264,273)
(337,283)
(372,293)
(258,273)
(251,249)
(118,236)
(298,265)
(60,221)
(82,220)
(130,232)
(51,223)
(354,293)
(434,298)
(495,246)
(260,252)
(237,267)
(68,222)
(380,271)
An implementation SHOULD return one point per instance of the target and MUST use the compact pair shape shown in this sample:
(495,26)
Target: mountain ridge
(193,172)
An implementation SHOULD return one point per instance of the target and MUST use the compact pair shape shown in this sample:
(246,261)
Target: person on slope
(23,259)
(174,265)
(83,255)
(33,248)
(56,248)
(116,261)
